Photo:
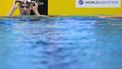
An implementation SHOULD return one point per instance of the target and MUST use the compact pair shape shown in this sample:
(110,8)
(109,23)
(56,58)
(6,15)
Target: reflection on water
(60,43)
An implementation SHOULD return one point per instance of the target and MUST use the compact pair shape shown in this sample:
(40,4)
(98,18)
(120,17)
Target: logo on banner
(98,3)
(81,2)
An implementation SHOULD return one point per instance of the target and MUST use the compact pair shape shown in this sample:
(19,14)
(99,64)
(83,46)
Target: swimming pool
(60,43)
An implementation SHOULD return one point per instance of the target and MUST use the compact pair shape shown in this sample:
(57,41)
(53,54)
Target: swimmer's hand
(14,7)
(35,8)
(15,4)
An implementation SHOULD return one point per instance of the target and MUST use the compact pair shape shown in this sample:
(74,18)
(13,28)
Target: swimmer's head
(25,8)
(23,1)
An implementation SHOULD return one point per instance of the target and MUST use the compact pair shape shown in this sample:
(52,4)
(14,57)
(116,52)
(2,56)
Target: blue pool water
(60,43)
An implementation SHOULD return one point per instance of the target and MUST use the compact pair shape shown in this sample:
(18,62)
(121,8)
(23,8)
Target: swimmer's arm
(36,13)
(14,7)
(11,12)
(44,16)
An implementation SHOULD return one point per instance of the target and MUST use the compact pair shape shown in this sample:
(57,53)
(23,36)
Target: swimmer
(113,16)
(25,7)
